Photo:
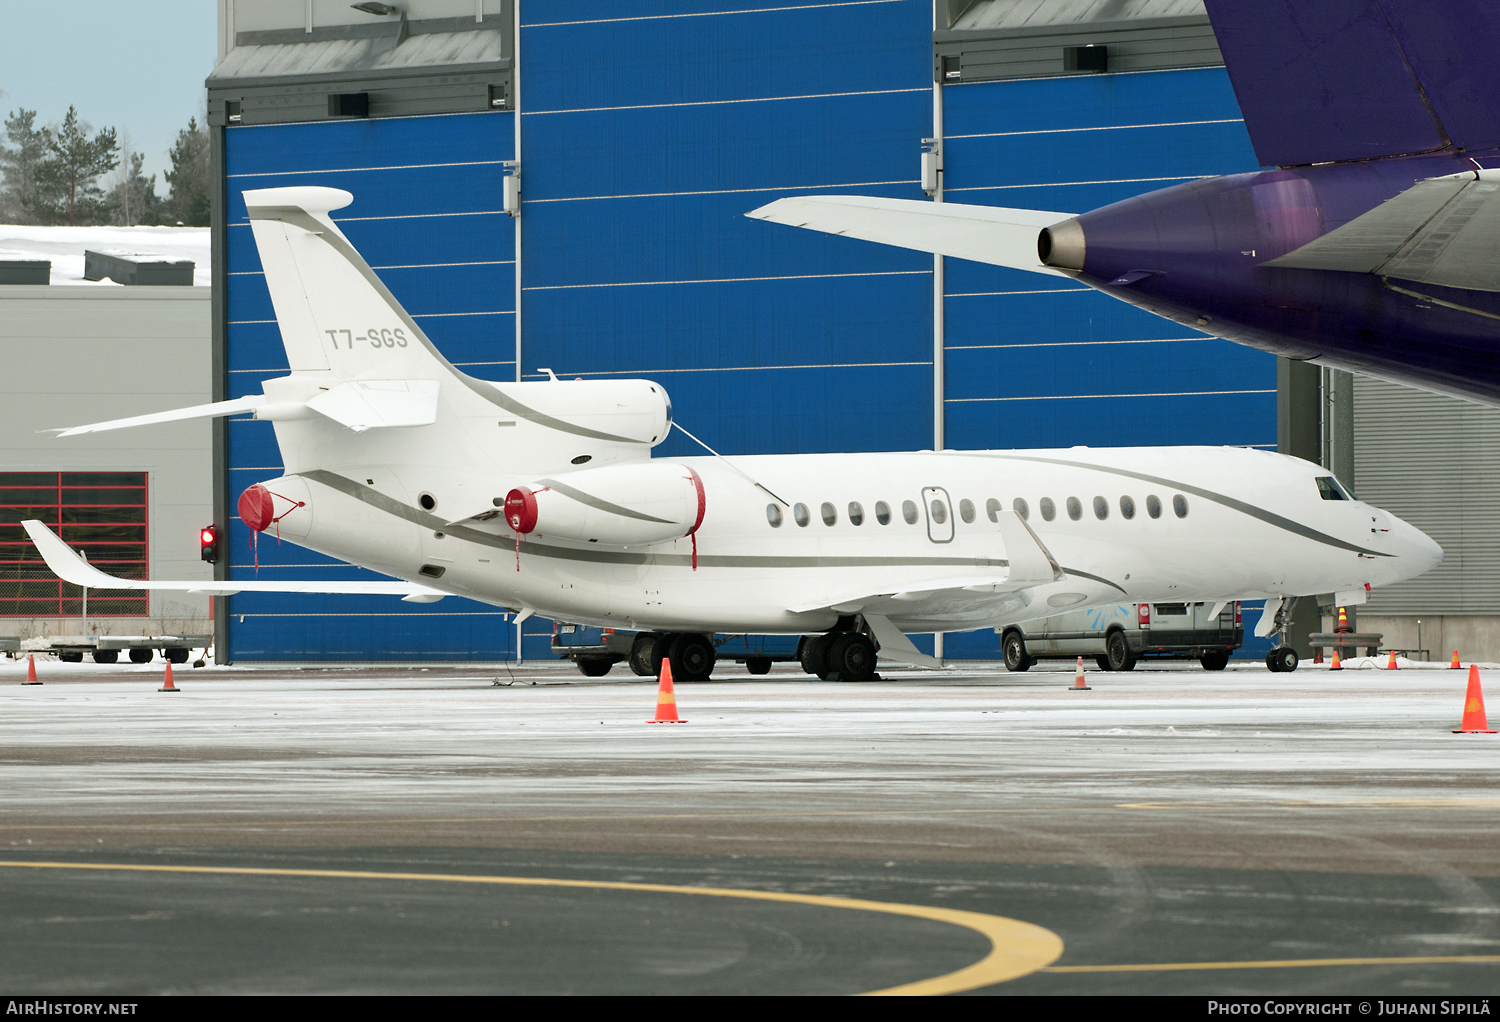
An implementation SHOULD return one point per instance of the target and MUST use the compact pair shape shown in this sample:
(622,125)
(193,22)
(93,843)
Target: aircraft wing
(1031,564)
(1445,231)
(1361,79)
(985,234)
(69,567)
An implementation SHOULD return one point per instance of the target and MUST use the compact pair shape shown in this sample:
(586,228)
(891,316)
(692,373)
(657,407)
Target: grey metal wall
(1435,461)
(85,354)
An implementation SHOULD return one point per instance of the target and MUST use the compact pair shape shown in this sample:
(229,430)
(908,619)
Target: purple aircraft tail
(1341,80)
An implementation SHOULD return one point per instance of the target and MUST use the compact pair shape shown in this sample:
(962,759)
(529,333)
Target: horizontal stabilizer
(1445,231)
(209,411)
(69,567)
(985,234)
(362,405)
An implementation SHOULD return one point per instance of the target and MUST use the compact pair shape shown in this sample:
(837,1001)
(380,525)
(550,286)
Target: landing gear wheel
(1282,659)
(594,667)
(1117,653)
(106,656)
(851,656)
(814,654)
(1215,661)
(658,651)
(693,658)
(1014,648)
(142,656)
(758,665)
(639,660)
(177,655)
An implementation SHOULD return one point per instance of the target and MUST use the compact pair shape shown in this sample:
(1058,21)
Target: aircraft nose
(1419,550)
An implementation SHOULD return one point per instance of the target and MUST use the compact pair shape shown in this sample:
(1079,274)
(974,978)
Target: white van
(1116,637)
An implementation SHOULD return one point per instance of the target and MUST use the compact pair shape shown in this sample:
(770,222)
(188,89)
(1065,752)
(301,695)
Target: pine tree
(67,189)
(190,177)
(19,164)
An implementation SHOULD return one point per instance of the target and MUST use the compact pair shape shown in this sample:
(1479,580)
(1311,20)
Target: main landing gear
(1284,657)
(692,656)
(839,656)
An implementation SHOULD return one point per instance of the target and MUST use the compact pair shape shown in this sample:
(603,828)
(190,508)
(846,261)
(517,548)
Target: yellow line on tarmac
(1289,963)
(1016,948)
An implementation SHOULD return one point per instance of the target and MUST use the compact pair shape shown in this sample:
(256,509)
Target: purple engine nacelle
(1194,254)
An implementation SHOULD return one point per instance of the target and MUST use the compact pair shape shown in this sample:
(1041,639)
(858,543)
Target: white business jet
(544,498)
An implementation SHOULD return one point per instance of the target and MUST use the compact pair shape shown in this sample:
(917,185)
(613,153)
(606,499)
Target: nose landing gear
(1284,657)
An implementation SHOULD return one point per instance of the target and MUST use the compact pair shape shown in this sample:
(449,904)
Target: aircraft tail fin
(335,314)
(1361,79)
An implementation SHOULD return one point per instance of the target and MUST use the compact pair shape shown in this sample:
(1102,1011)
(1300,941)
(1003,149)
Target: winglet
(67,565)
(1030,560)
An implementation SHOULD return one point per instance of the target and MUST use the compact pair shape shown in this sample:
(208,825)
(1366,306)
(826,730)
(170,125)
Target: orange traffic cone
(1343,625)
(1336,665)
(1473,722)
(1078,685)
(1391,664)
(169,687)
(1454,666)
(666,699)
(1318,655)
(31,671)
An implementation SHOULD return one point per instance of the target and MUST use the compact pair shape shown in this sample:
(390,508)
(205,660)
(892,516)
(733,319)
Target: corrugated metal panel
(1002,39)
(1434,461)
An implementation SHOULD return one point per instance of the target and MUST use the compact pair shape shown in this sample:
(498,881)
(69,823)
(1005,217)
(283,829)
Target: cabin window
(800,515)
(1049,509)
(773,515)
(1329,489)
(1153,506)
(1075,508)
(830,513)
(992,508)
(1127,507)
(882,512)
(939,512)
(909,512)
(1019,506)
(966,509)
(1179,506)
(1101,508)
(856,513)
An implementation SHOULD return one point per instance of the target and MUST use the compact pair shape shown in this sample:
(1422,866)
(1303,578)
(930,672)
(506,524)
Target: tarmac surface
(522,830)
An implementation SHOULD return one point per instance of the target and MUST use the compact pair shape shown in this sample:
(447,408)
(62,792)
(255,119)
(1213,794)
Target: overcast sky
(124,64)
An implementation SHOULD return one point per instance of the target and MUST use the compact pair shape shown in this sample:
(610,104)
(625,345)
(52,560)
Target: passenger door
(939,511)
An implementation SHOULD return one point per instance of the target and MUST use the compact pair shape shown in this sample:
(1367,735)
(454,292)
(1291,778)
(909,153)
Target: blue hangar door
(427,217)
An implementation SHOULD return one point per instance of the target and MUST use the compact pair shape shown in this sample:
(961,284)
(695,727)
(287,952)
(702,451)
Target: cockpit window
(1329,489)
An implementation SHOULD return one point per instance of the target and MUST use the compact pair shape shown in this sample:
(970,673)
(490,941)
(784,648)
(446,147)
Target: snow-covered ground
(65,246)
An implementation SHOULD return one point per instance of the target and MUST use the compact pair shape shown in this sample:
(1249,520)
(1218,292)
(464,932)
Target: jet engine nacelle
(628,411)
(621,505)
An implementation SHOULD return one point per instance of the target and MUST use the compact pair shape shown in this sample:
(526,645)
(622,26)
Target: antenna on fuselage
(726,461)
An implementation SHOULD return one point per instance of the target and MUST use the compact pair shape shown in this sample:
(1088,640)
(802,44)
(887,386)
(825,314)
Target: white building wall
(78,355)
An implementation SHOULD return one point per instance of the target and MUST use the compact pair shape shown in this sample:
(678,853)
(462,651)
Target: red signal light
(208,543)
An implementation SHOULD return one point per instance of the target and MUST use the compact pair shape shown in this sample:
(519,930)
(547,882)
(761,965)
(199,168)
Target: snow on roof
(65,245)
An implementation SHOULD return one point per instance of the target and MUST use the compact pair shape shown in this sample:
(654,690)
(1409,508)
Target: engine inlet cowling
(1062,245)
(520,509)
(257,508)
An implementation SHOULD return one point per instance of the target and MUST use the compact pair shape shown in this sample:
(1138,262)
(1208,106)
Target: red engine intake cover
(520,509)
(257,508)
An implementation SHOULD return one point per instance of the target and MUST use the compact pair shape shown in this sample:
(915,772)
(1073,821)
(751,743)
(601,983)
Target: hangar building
(641,131)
